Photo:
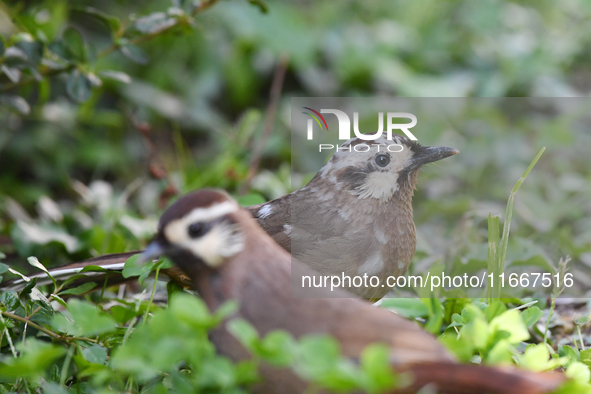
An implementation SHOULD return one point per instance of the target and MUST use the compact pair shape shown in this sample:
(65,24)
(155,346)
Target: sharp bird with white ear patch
(355,216)
(228,256)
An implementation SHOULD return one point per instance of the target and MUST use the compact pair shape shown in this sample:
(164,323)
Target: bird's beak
(429,154)
(152,252)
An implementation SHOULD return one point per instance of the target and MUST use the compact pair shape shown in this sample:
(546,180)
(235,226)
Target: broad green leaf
(134,53)
(95,354)
(578,372)
(512,323)
(250,199)
(16,102)
(35,358)
(10,300)
(83,288)
(85,319)
(154,23)
(494,309)
(115,76)
(375,362)
(111,21)
(407,307)
(531,316)
(78,86)
(244,332)
(37,264)
(74,43)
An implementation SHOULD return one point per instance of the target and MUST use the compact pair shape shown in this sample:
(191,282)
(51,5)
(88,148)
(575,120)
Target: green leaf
(122,314)
(537,358)
(35,358)
(531,316)
(191,310)
(95,354)
(10,300)
(407,307)
(16,102)
(585,356)
(134,53)
(277,348)
(115,76)
(260,5)
(3,267)
(582,320)
(83,288)
(242,330)
(78,86)
(578,372)
(74,43)
(250,199)
(133,267)
(375,362)
(12,73)
(461,346)
(154,23)
(36,263)
(512,323)
(85,320)
(111,21)
(1,46)
(494,309)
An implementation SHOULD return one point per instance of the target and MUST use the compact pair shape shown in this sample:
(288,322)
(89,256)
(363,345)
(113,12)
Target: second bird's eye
(197,229)
(382,160)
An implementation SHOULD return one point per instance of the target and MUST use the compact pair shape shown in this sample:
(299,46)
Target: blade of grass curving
(509,212)
(494,288)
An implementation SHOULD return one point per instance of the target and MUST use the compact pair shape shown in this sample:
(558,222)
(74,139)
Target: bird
(354,218)
(228,256)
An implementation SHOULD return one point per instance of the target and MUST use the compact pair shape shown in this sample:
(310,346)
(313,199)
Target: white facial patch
(381,184)
(223,240)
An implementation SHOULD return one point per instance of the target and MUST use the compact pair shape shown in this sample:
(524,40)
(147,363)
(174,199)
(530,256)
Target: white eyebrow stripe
(176,230)
(210,213)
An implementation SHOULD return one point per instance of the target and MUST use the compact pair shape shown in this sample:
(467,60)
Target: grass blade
(497,263)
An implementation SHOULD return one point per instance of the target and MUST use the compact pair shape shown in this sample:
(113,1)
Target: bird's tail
(452,378)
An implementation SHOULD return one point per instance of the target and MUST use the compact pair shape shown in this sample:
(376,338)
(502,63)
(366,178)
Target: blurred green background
(108,112)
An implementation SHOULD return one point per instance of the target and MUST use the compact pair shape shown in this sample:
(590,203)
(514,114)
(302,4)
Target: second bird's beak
(429,154)
(153,251)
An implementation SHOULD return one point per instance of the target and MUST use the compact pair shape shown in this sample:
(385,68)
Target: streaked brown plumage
(200,233)
(355,216)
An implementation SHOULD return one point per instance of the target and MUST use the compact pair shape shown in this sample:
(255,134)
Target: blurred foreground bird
(354,217)
(228,256)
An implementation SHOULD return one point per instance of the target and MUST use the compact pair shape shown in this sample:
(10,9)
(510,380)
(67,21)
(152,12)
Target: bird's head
(379,168)
(200,227)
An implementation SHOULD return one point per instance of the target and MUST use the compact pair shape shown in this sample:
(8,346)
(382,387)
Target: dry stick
(275,94)
(45,330)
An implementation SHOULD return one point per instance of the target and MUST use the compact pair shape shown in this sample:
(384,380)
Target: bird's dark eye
(382,160)
(198,229)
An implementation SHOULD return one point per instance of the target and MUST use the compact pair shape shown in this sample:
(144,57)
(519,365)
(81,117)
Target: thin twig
(275,94)
(45,330)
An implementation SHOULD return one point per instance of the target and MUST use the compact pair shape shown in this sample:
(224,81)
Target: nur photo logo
(344,125)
